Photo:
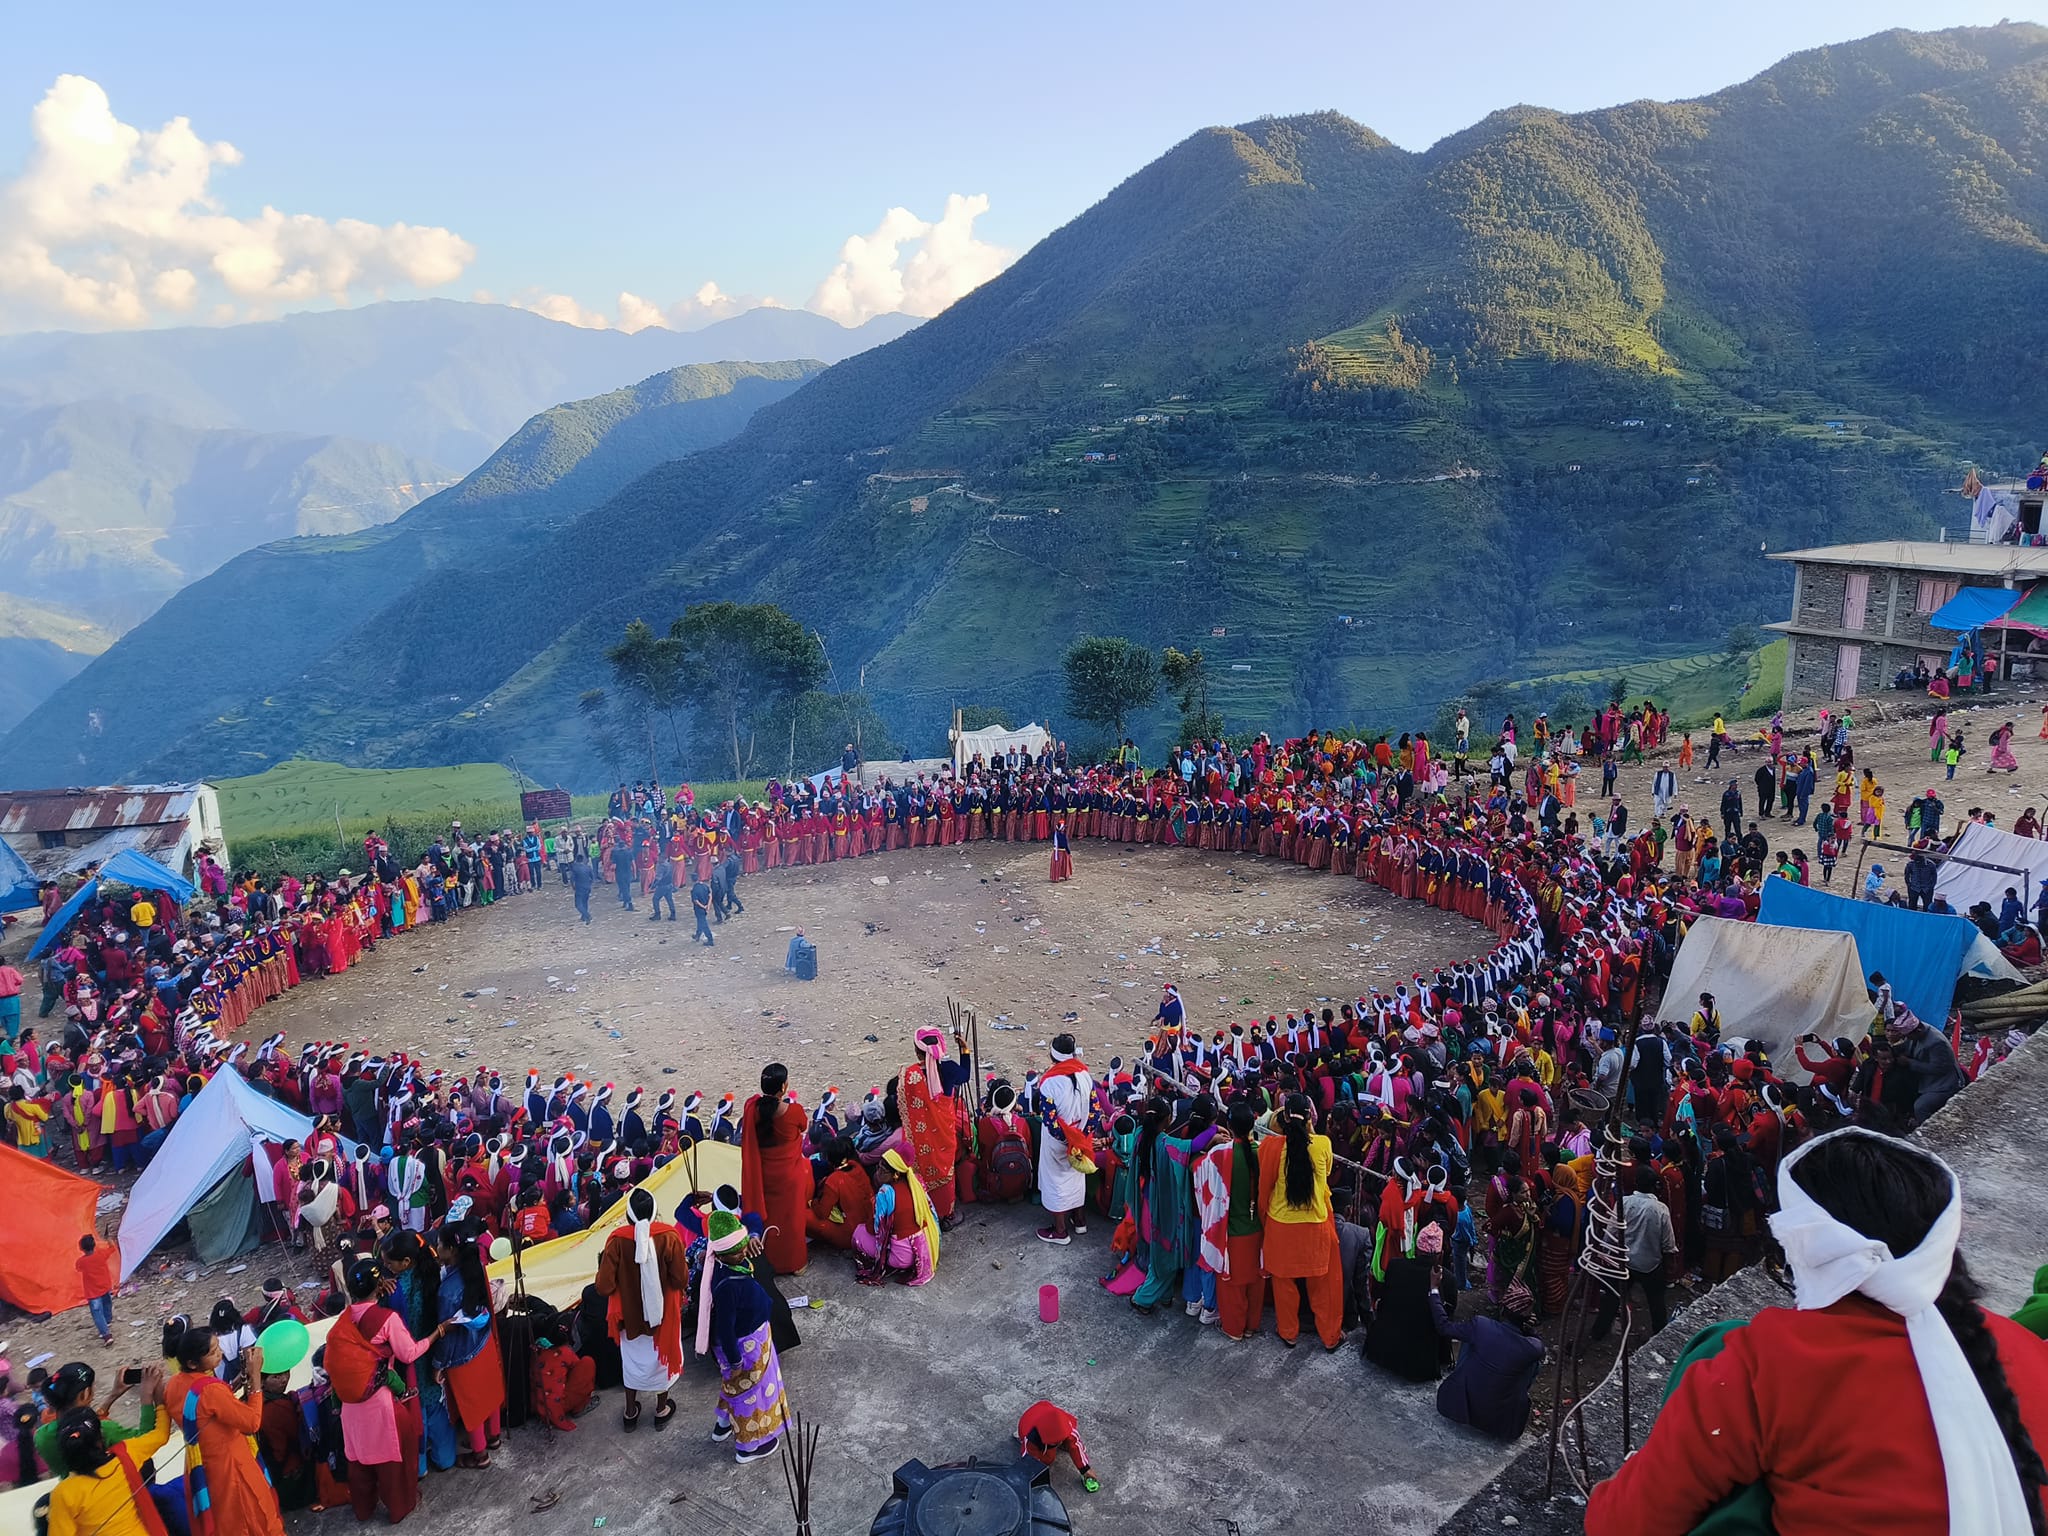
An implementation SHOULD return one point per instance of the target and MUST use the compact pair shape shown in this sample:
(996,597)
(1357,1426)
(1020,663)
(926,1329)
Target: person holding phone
(226,1491)
(72,1386)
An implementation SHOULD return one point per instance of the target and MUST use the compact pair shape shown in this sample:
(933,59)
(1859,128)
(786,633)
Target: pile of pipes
(2021,1008)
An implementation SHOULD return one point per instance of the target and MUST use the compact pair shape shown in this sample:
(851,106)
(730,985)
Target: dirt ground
(524,985)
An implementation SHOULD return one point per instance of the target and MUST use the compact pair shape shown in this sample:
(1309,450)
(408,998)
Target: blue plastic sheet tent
(17,885)
(1920,953)
(1973,607)
(125,868)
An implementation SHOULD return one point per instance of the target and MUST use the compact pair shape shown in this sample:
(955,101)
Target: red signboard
(545,805)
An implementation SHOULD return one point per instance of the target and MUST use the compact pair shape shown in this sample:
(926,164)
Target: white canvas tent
(1033,738)
(1770,984)
(1964,887)
(216,1133)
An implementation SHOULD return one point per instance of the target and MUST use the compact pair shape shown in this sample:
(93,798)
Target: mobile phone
(132,1377)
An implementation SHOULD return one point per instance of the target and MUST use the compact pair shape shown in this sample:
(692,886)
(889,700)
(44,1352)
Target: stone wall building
(1862,613)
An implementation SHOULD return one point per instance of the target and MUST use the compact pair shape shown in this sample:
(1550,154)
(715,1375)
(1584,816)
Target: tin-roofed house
(62,831)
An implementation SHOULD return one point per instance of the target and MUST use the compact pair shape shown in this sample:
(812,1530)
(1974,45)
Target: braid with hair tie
(1958,1307)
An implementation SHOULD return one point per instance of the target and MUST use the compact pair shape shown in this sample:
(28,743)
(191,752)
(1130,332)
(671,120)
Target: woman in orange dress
(227,1492)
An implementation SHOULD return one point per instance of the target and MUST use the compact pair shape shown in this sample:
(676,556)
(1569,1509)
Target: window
(1855,599)
(49,839)
(1934,592)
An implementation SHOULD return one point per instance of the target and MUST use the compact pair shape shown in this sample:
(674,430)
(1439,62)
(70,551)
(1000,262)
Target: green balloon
(284,1344)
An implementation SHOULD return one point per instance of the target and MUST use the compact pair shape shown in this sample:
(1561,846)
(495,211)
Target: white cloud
(911,265)
(112,225)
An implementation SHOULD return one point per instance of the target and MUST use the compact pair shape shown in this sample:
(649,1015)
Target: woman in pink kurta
(381,1433)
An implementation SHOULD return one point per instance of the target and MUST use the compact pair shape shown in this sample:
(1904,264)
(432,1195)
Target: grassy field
(302,795)
(1694,688)
(305,816)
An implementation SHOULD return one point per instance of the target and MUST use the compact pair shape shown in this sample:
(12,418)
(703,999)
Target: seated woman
(1937,686)
(901,1242)
(1886,1312)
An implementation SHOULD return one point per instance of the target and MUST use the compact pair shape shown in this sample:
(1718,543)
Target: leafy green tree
(739,658)
(1186,676)
(1618,690)
(979,717)
(816,726)
(1109,679)
(649,669)
(1743,639)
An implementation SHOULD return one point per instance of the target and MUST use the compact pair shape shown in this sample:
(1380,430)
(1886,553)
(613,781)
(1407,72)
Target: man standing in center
(775,1176)
(1066,1090)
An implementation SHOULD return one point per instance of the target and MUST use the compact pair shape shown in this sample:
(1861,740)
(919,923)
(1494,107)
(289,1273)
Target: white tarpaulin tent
(217,1132)
(1770,984)
(1964,887)
(1033,738)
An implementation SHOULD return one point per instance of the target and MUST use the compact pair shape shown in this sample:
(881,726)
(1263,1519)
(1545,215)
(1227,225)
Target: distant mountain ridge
(1366,425)
(225,656)
(106,512)
(443,379)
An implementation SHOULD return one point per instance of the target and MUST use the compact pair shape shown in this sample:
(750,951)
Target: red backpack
(355,1367)
(1007,1171)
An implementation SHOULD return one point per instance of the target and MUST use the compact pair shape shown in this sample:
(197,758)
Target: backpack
(1009,1167)
(355,1369)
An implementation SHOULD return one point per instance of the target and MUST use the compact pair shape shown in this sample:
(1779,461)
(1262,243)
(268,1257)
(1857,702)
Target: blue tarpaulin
(1920,953)
(17,885)
(1972,608)
(53,930)
(125,868)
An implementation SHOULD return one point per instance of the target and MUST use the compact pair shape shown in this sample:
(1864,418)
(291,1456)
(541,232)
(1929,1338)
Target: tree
(1618,690)
(740,658)
(1109,678)
(1743,639)
(813,727)
(1186,675)
(979,717)
(595,706)
(649,669)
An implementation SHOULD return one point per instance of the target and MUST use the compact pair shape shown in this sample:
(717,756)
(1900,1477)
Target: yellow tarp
(556,1271)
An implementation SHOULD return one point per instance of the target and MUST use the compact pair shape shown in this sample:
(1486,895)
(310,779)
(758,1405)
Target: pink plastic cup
(1048,1303)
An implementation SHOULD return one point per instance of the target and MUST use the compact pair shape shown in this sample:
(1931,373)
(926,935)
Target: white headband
(1831,1260)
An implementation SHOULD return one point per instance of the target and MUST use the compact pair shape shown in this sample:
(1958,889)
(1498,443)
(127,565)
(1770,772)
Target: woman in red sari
(931,1118)
(775,1176)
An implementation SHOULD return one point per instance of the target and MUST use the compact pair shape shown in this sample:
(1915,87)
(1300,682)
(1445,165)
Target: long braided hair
(1888,1191)
(1299,1172)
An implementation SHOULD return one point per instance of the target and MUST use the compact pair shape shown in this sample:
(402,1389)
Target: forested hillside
(1367,425)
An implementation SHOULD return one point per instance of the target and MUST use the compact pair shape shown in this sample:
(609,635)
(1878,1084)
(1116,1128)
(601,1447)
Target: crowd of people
(1410,1169)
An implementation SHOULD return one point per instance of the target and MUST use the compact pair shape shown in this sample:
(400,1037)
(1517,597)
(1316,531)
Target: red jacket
(1788,1402)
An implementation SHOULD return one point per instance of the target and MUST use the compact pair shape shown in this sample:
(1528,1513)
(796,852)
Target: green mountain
(107,512)
(249,640)
(440,379)
(1367,425)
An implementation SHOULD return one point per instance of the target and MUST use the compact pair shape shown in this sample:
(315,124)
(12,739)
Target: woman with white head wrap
(643,1272)
(1888,1401)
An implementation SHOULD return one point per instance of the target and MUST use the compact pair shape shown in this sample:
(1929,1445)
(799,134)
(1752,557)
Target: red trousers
(395,1483)
(1325,1300)
(1241,1295)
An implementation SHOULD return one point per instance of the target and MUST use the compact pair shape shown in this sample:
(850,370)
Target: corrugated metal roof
(26,811)
(166,843)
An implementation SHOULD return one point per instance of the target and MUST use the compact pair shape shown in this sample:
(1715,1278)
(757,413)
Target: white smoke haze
(112,225)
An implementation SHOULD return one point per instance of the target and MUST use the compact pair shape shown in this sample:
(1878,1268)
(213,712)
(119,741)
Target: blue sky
(649,149)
